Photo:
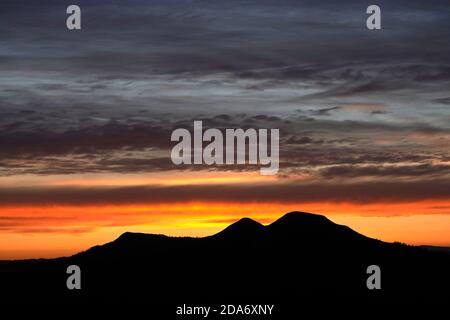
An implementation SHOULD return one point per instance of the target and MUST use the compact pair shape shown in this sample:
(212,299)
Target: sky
(86,118)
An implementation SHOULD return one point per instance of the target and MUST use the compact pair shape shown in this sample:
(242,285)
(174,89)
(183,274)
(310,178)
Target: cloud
(416,170)
(101,107)
(370,107)
(25,229)
(364,192)
(202,36)
(87,139)
(324,111)
(125,146)
(443,100)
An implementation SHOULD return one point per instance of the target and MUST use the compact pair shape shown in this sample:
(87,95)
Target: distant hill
(438,249)
(299,255)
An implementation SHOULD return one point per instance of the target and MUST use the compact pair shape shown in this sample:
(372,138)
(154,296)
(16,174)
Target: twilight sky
(86,117)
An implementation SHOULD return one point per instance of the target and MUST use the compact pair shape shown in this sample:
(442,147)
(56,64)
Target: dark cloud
(144,146)
(367,192)
(106,99)
(324,111)
(386,171)
(378,112)
(201,36)
(443,100)
(300,140)
(92,139)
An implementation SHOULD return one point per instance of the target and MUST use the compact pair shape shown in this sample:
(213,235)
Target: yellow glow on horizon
(61,230)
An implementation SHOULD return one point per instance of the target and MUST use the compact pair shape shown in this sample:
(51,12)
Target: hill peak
(137,238)
(244,226)
(302,222)
(248,222)
(304,217)
(129,235)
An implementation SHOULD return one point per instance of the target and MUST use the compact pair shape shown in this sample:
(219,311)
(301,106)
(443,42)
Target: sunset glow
(50,231)
(362,120)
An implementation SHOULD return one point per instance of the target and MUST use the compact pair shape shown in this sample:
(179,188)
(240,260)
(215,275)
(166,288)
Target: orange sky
(56,229)
(63,230)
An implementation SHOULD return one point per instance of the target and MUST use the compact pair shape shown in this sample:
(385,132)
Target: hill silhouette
(298,255)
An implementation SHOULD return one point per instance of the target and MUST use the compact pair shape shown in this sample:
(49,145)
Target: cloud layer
(353,106)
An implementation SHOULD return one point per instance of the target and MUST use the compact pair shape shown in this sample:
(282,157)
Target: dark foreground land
(301,255)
